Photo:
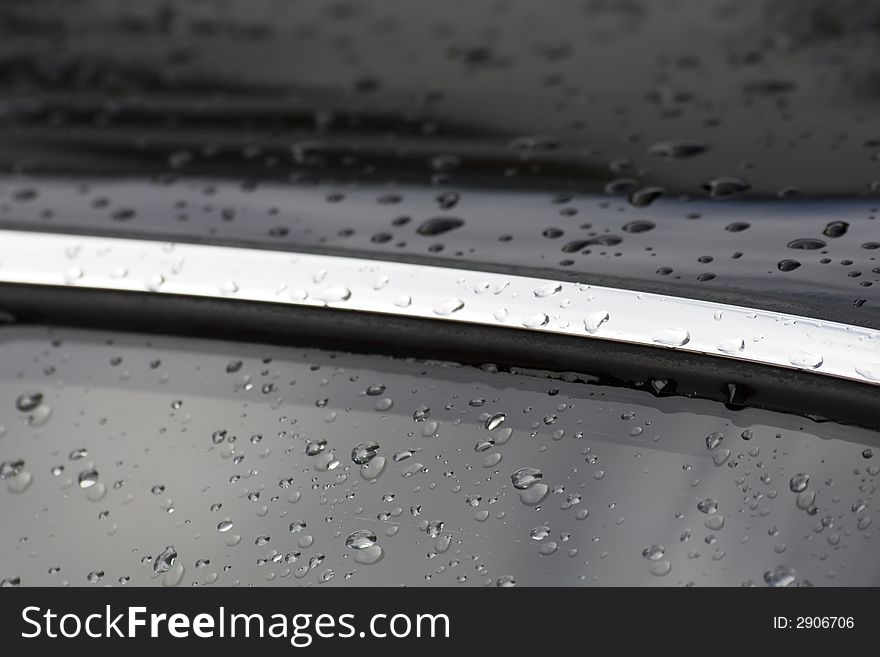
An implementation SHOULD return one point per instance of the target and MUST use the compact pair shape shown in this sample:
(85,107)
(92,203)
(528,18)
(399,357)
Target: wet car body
(266,419)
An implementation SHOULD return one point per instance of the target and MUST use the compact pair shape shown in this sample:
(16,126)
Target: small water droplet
(360,540)
(333,294)
(672,337)
(593,321)
(364,452)
(164,560)
(87,478)
(806,359)
(28,401)
(732,346)
(495,421)
(654,552)
(535,321)
(799,482)
(548,290)
(525,478)
(707,506)
(780,576)
(870,371)
(448,307)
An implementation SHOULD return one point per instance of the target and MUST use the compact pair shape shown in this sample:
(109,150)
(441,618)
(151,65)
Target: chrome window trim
(527,303)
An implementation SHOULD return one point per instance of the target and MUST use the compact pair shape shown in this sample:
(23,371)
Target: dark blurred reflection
(687,95)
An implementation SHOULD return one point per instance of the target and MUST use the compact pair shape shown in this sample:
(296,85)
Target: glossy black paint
(718,150)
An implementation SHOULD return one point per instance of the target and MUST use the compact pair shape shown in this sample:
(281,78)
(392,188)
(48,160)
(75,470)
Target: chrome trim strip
(443,294)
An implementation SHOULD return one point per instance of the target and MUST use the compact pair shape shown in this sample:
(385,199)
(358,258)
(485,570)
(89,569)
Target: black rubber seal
(662,371)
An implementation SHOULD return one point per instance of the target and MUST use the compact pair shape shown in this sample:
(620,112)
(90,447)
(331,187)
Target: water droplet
(799,482)
(503,435)
(174,575)
(548,290)
(375,390)
(725,186)
(732,346)
(72,275)
(677,149)
(374,468)
(19,483)
(707,506)
(654,552)
(539,533)
(535,321)
(483,444)
(494,421)
(534,494)
(154,282)
(165,560)
(640,226)
(360,540)
(9,469)
(780,576)
(505,581)
(333,294)
(715,522)
(593,321)
(672,337)
(448,307)
(369,555)
(660,568)
(870,371)
(548,548)
(645,196)
(836,229)
(315,447)
(363,453)
(439,225)
(805,500)
(805,359)
(787,265)
(28,401)
(807,244)
(87,478)
(525,478)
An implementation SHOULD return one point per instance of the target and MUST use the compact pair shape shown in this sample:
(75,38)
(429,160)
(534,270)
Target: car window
(153,460)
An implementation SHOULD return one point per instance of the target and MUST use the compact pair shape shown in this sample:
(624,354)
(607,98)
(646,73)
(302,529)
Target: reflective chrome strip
(445,294)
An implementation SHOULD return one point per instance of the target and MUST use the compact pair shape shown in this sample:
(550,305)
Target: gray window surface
(129,459)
